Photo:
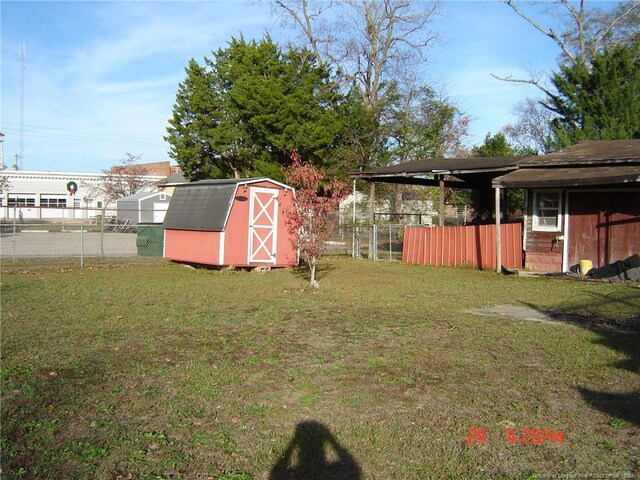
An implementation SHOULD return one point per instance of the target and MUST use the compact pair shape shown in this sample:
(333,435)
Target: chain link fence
(374,242)
(77,243)
(104,238)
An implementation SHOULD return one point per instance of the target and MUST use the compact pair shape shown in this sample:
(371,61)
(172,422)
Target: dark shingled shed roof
(203,205)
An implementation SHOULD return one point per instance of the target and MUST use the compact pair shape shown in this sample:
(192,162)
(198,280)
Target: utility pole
(2,165)
(21,56)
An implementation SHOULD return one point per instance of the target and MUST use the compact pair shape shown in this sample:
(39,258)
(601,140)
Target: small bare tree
(4,181)
(532,129)
(123,180)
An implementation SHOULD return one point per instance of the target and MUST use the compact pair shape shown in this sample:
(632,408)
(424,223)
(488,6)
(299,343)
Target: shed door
(603,226)
(263,225)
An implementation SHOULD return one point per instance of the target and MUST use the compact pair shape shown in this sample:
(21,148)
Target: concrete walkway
(512,311)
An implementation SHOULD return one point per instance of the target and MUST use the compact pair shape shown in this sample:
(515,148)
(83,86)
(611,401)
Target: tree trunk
(312,268)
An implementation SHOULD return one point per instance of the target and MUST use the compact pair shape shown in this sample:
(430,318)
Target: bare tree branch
(122,180)
(548,32)
(635,6)
(530,81)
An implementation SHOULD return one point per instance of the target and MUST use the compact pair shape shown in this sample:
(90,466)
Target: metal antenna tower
(2,165)
(21,56)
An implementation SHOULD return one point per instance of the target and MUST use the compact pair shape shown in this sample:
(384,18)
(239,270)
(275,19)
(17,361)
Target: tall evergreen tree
(248,107)
(600,100)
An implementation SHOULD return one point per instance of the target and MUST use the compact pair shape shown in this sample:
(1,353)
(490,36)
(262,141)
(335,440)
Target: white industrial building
(51,195)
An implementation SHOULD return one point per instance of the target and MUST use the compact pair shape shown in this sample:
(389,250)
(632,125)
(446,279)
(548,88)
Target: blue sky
(101,77)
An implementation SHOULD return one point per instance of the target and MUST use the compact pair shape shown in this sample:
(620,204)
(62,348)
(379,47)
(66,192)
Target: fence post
(82,245)
(498,239)
(389,242)
(374,242)
(13,239)
(102,232)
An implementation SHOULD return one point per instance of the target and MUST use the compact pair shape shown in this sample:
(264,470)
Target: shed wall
(192,247)
(127,211)
(603,226)
(147,207)
(237,229)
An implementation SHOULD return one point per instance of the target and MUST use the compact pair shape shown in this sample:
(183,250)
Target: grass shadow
(314,454)
(619,334)
(303,271)
(619,405)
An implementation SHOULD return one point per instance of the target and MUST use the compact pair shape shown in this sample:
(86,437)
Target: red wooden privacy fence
(472,245)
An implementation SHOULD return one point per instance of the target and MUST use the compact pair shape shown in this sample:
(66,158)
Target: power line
(93,138)
(80,133)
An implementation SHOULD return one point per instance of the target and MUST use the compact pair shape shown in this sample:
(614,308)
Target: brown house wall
(604,226)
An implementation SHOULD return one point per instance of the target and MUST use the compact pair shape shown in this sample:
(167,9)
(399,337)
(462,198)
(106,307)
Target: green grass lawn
(160,371)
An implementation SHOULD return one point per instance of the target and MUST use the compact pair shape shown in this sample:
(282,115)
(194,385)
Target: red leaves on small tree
(310,219)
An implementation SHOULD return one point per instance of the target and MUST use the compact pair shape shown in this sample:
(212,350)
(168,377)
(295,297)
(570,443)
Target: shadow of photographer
(314,453)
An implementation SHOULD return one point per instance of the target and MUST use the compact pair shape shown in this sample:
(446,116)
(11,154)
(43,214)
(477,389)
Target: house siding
(603,226)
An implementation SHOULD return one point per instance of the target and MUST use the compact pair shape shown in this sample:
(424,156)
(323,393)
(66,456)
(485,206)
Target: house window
(77,203)
(53,202)
(547,211)
(18,200)
(163,196)
(99,204)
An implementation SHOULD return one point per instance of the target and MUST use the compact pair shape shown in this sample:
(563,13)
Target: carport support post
(353,223)
(372,218)
(498,239)
(441,203)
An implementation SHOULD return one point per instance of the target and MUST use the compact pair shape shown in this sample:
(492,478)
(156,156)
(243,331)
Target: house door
(263,224)
(603,226)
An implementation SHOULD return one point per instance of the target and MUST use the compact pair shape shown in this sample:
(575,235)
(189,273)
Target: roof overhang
(569,177)
(455,172)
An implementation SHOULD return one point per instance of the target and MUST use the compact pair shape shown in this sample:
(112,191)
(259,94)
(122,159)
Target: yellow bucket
(585,266)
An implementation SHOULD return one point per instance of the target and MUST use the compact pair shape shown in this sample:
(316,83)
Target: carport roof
(461,172)
(586,163)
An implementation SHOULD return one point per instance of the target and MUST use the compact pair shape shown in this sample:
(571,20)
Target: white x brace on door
(263,225)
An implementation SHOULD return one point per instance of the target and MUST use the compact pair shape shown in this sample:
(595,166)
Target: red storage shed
(239,222)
